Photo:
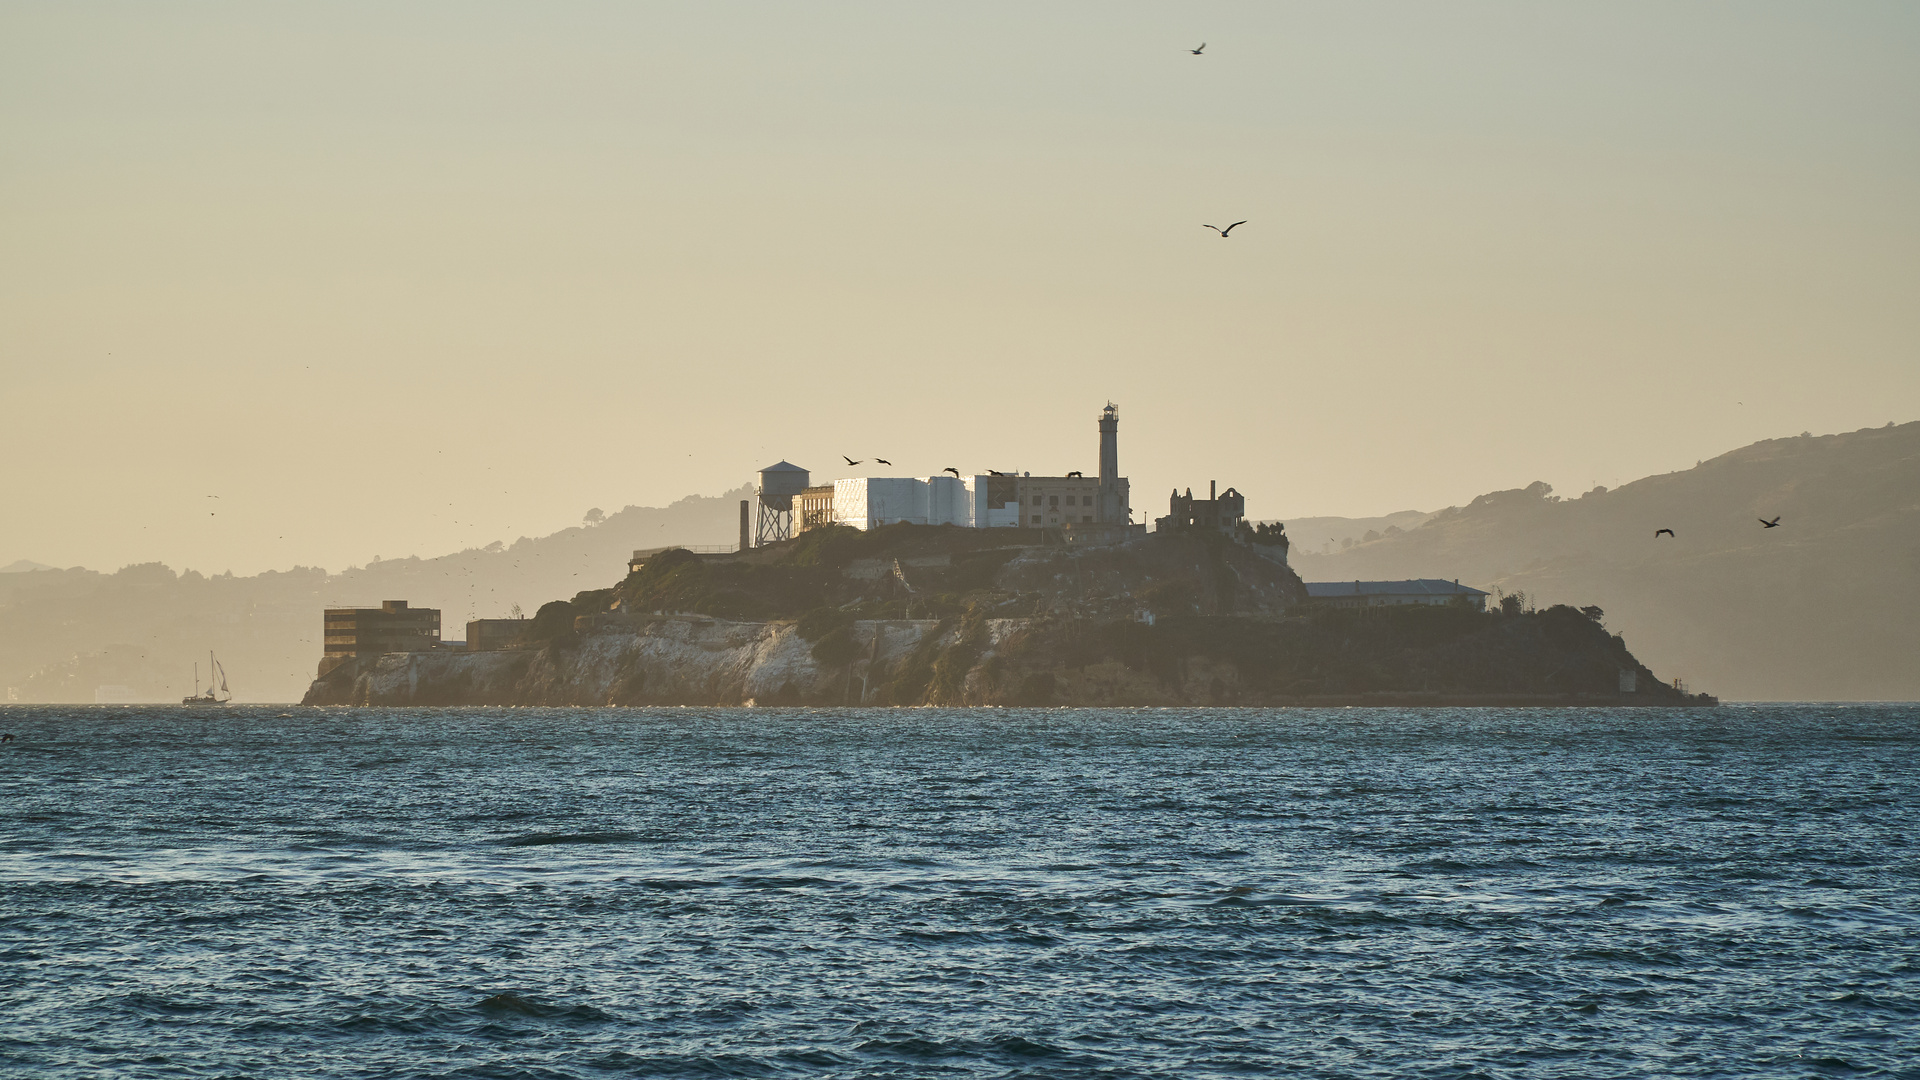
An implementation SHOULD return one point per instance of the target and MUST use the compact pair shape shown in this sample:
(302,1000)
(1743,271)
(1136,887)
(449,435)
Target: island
(935,615)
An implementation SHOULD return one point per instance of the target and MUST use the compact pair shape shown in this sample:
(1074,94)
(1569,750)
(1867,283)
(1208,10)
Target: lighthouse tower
(1113,492)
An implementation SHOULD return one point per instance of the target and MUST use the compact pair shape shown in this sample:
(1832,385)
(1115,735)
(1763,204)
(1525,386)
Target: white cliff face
(666,660)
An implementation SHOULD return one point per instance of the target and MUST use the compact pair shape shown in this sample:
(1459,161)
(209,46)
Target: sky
(310,284)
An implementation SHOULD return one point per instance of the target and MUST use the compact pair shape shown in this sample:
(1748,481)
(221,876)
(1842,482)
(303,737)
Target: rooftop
(1415,587)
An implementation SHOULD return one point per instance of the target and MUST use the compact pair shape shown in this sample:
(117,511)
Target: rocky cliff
(1410,656)
(917,616)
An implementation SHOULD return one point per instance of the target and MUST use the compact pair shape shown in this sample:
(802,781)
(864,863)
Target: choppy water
(556,893)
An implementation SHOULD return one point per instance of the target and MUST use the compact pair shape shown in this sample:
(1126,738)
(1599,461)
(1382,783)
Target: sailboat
(216,675)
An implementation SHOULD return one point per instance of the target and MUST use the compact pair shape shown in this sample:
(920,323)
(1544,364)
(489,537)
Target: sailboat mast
(196,678)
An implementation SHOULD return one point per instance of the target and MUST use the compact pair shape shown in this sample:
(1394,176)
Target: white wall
(868,502)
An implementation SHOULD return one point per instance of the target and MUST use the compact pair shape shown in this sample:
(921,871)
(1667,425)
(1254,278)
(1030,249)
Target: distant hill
(21,566)
(64,632)
(1825,607)
(1325,535)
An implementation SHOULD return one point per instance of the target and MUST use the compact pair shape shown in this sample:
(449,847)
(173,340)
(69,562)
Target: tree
(594,517)
(1513,603)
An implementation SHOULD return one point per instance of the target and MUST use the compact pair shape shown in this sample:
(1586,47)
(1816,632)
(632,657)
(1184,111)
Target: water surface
(934,893)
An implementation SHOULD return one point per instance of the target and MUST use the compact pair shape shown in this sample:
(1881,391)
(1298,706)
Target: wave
(541,839)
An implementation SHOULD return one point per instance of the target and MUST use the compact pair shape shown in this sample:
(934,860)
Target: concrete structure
(489,635)
(390,628)
(779,483)
(1051,502)
(746,537)
(1367,594)
(1218,512)
(813,508)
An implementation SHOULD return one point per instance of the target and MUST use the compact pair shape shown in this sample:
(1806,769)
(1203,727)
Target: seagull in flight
(1774,524)
(1657,532)
(881,461)
(954,471)
(849,460)
(1198,51)
(1223,232)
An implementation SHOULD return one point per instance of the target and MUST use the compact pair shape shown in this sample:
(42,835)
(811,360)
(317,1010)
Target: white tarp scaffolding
(868,502)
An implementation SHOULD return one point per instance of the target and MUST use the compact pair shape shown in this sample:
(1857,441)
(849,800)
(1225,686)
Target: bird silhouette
(849,460)
(954,471)
(1223,232)
(995,472)
(881,461)
(1657,532)
(1076,472)
(1197,52)
(1774,524)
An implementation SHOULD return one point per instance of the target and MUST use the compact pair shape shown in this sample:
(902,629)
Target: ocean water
(960,893)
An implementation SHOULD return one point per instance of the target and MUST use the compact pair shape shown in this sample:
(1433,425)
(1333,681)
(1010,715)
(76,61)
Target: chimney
(1212,494)
(743,525)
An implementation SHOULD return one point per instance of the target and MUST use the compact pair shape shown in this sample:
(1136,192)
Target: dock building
(489,635)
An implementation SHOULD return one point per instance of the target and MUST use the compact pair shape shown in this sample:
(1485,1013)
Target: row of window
(1054,500)
(1085,519)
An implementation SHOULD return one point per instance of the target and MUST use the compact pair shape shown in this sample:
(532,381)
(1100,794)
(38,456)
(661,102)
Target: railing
(697,549)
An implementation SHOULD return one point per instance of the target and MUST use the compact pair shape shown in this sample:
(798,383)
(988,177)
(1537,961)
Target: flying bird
(1076,472)
(1774,524)
(995,472)
(954,471)
(849,460)
(1657,532)
(1197,52)
(1223,232)
(881,461)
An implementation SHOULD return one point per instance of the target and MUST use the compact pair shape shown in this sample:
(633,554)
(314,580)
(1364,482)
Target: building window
(1054,500)
(1036,519)
(1036,501)
(1086,519)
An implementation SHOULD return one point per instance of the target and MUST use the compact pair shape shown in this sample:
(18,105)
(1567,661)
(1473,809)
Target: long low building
(1389,593)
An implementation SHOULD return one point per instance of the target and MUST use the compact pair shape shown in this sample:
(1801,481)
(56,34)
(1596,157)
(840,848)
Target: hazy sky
(396,279)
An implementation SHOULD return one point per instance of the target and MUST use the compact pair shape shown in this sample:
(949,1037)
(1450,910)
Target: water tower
(778,485)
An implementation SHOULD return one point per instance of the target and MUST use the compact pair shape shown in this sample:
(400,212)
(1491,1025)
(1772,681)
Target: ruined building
(1217,512)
